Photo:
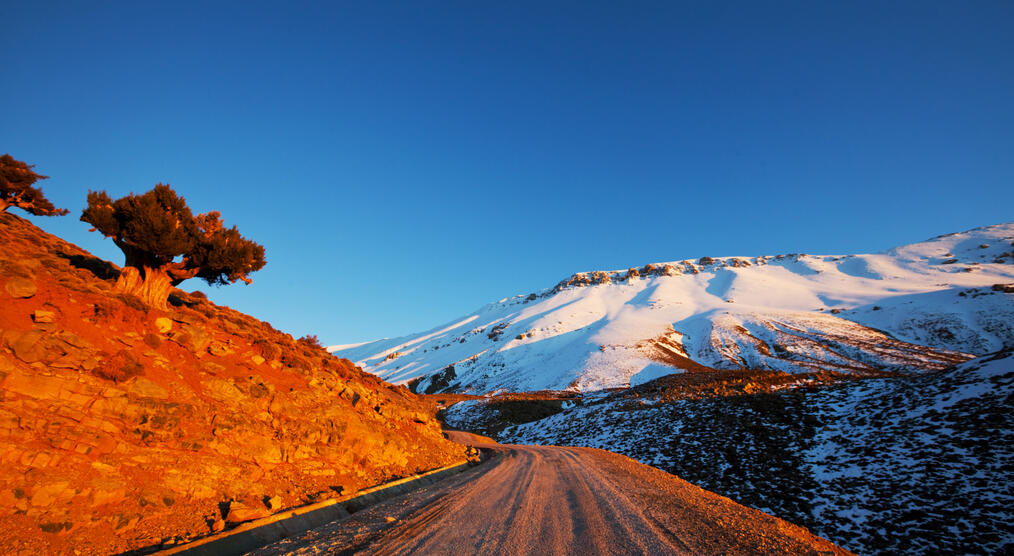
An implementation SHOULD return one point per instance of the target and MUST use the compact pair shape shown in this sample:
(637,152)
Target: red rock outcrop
(125,428)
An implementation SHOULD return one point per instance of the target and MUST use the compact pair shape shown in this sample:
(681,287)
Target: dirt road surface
(555,500)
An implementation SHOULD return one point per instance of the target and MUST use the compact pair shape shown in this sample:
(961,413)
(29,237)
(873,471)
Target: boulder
(219,349)
(72,340)
(212,368)
(35,386)
(240,512)
(40,316)
(30,347)
(224,391)
(47,494)
(191,338)
(274,503)
(163,325)
(145,388)
(20,287)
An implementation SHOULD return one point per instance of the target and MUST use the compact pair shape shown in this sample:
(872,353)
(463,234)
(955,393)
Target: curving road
(554,500)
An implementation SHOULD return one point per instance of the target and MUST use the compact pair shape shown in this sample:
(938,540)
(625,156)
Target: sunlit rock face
(123,427)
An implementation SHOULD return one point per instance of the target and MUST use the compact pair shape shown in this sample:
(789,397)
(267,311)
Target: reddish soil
(126,428)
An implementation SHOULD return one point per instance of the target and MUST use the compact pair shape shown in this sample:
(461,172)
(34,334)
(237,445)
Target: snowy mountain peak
(920,306)
(985,244)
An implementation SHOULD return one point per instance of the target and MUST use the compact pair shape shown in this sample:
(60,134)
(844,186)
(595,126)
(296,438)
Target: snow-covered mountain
(923,306)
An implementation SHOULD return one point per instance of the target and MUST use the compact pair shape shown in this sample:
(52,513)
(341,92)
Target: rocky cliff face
(124,428)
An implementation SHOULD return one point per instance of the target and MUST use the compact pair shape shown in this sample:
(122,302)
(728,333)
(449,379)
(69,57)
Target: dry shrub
(119,367)
(105,308)
(269,350)
(152,340)
(310,341)
(294,359)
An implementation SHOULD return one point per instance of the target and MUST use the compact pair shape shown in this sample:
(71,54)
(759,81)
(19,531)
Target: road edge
(261,532)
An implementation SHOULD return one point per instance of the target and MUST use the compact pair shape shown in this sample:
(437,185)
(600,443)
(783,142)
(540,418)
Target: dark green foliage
(223,255)
(517,412)
(157,231)
(17,189)
(157,225)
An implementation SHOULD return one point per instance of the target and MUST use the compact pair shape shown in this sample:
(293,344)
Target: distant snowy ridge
(341,347)
(923,306)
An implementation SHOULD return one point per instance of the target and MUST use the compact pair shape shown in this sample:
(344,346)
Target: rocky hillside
(918,464)
(123,428)
(918,307)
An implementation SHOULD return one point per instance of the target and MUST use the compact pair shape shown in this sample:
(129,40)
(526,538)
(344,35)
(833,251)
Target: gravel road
(555,500)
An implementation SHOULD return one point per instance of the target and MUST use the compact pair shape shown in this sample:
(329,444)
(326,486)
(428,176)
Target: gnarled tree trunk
(146,277)
(151,285)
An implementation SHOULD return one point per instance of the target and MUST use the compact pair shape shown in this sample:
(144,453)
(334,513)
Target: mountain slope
(923,306)
(124,428)
(918,464)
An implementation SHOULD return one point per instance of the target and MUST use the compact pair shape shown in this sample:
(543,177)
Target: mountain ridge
(905,294)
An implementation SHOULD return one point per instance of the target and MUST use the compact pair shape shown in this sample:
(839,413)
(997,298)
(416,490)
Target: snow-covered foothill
(916,464)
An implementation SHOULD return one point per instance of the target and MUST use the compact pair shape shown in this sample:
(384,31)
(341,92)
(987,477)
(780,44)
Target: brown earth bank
(128,429)
(555,500)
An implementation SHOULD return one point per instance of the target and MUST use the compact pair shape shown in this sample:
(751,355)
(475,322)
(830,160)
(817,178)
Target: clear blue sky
(405,163)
